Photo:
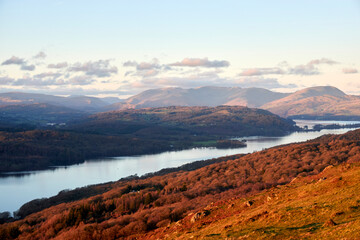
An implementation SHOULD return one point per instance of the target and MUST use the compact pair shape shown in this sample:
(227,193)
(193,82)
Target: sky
(121,48)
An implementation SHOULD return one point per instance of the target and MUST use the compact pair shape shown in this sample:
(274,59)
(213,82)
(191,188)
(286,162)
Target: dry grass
(324,206)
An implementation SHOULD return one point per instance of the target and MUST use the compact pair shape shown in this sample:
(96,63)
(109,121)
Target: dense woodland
(140,205)
(130,132)
(163,122)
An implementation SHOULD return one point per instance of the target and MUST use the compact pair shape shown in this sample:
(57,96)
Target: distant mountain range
(83,103)
(314,102)
(203,96)
(325,102)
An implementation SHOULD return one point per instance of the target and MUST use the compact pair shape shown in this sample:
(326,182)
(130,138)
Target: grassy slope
(302,209)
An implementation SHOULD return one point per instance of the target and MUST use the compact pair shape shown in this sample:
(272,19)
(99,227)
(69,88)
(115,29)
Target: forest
(132,132)
(133,207)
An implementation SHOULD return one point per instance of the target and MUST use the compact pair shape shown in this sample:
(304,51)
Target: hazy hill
(316,101)
(202,96)
(38,114)
(218,200)
(83,103)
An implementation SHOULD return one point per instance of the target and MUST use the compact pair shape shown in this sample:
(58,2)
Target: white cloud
(201,62)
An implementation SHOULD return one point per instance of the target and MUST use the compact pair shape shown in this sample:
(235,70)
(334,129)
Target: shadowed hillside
(131,132)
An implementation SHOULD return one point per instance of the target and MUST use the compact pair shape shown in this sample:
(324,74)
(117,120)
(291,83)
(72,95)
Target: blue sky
(120,48)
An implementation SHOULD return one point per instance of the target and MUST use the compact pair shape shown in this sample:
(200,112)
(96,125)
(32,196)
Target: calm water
(17,189)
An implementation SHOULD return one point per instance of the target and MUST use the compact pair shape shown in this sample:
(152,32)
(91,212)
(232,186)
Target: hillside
(126,133)
(323,206)
(82,103)
(316,101)
(203,96)
(219,200)
(38,114)
(165,122)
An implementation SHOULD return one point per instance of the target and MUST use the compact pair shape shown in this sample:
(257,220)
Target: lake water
(19,188)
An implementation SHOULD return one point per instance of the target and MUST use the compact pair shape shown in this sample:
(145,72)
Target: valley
(163,205)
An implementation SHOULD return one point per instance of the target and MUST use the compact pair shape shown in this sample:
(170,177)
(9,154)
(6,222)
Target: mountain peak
(320,91)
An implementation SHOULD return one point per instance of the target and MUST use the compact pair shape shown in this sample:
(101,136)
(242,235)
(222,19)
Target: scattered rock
(249,203)
(227,226)
(337,214)
(327,168)
(231,205)
(294,180)
(322,179)
(330,223)
(199,215)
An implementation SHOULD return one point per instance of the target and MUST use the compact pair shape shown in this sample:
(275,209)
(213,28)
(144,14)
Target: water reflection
(18,188)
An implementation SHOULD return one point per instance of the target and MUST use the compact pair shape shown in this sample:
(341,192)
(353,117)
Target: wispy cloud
(308,69)
(28,67)
(6,80)
(269,83)
(145,69)
(58,65)
(311,67)
(19,61)
(261,71)
(101,68)
(47,75)
(14,60)
(80,80)
(201,62)
(37,82)
(154,64)
(322,61)
(40,55)
(349,70)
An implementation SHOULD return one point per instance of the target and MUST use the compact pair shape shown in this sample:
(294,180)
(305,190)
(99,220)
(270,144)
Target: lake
(19,188)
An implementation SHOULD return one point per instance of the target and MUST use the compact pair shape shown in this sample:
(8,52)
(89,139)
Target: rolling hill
(82,103)
(165,121)
(39,114)
(323,102)
(203,96)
